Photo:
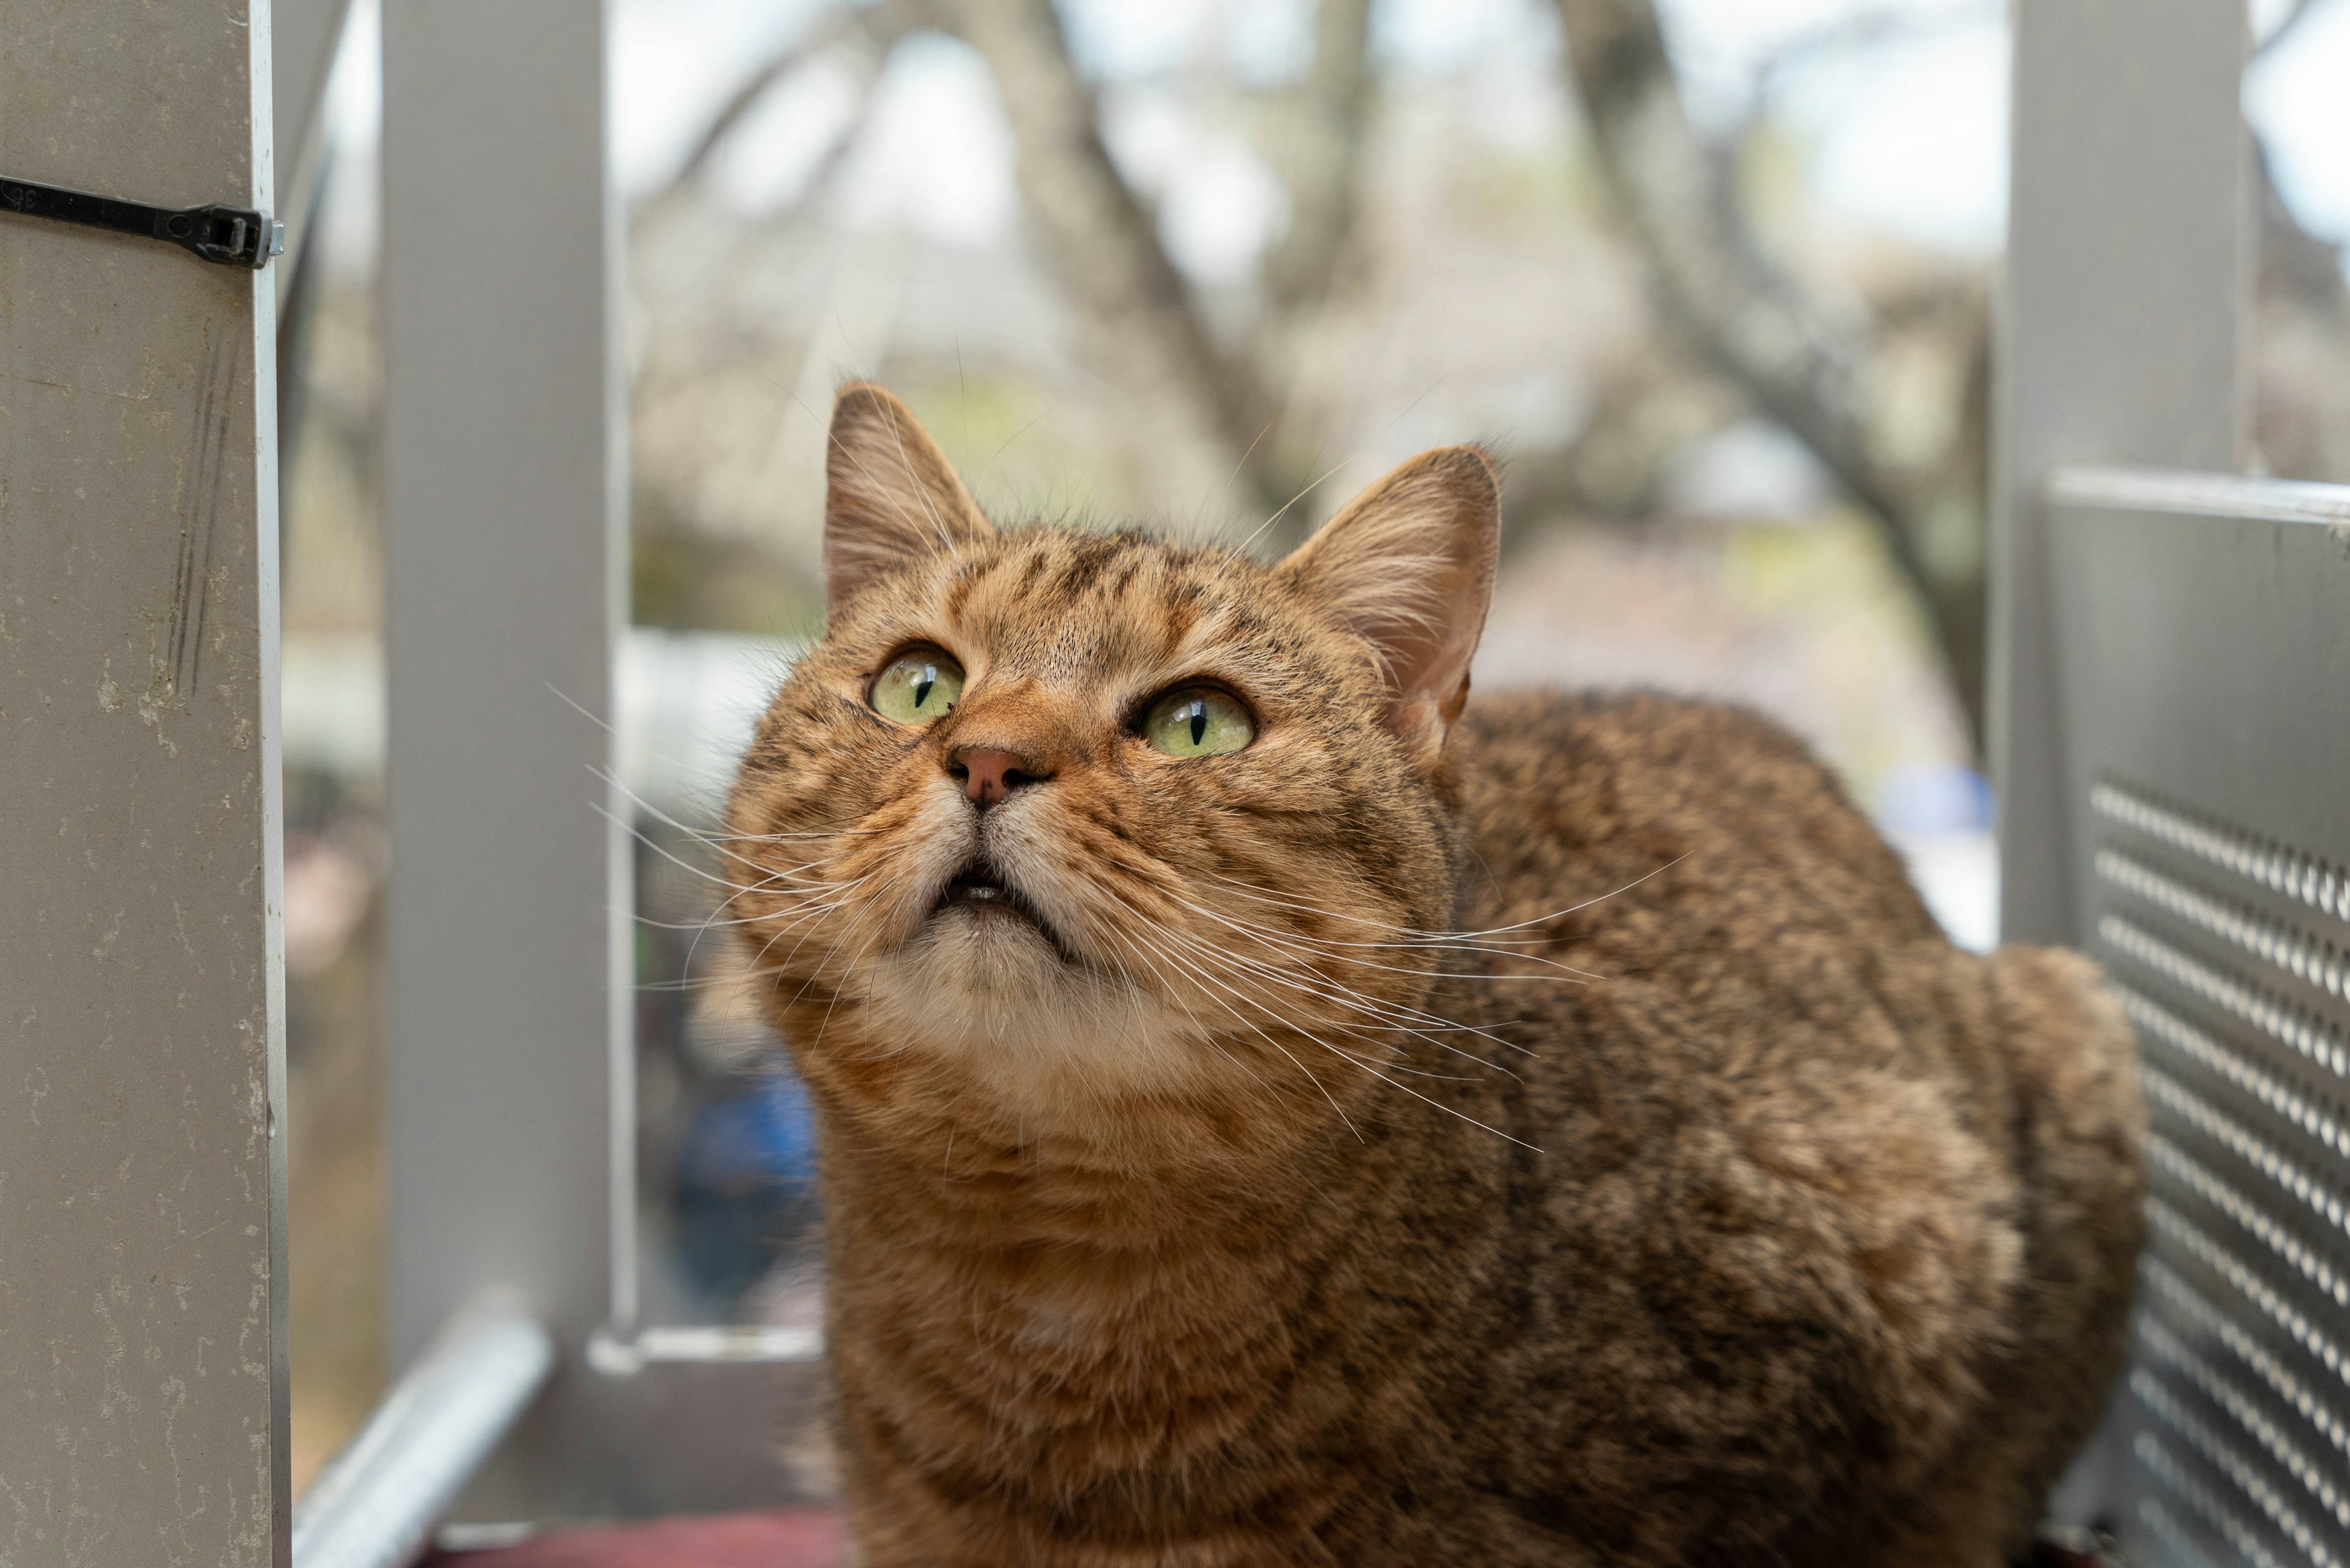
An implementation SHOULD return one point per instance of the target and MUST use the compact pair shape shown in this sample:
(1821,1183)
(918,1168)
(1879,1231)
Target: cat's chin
(995,947)
(979,910)
(993,990)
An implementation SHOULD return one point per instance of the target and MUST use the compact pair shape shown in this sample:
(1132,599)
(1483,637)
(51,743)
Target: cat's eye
(918,687)
(1198,722)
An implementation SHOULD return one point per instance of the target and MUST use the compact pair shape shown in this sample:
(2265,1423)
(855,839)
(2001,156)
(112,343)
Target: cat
(1277,1111)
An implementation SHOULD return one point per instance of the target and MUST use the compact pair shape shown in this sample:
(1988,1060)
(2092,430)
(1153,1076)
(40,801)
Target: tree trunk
(1203,412)
(1792,359)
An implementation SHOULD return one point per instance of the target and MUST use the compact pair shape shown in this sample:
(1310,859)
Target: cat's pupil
(1199,722)
(922,684)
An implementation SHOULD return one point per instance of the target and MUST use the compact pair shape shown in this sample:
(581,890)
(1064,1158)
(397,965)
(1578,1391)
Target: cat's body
(1710,1208)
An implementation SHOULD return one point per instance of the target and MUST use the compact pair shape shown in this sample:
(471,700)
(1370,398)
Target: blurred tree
(870,33)
(1213,409)
(1797,359)
(2301,401)
(1827,359)
(1138,319)
(1816,362)
(1315,144)
(1220,410)
(1798,356)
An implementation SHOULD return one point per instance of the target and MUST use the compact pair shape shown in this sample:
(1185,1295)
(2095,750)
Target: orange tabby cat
(1275,1112)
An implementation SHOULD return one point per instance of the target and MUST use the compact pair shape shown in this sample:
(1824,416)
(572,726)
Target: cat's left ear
(1409,564)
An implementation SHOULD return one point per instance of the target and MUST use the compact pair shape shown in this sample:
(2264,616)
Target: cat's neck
(1068,1256)
(1114,1178)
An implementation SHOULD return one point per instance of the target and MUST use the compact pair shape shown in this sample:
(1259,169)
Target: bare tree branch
(1794,359)
(880,27)
(1320,155)
(1203,411)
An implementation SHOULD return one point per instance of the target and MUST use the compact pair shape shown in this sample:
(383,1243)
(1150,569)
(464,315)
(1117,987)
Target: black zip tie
(233,237)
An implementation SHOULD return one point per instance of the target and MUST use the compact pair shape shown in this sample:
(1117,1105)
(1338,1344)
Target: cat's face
(1060,819)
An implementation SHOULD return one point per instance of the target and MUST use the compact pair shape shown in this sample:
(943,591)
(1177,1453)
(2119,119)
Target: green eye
(1199,722)
(916,687)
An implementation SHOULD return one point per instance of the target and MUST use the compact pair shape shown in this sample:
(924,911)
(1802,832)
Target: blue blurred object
(1924,802)
(762,1135)
(745,1182)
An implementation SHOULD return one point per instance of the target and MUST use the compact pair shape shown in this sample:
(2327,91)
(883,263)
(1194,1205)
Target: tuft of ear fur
(890,496)
(1408,565)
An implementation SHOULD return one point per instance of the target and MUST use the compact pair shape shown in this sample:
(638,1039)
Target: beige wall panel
(142,1059)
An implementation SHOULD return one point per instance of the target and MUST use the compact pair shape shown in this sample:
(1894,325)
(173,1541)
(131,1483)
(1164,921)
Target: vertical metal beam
(2120,336)
(143,1348)
(506,541)
(305,36)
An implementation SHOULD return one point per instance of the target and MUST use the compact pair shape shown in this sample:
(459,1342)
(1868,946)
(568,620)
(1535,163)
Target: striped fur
(1250,1210)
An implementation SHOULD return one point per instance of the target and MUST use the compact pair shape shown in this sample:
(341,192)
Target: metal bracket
(233,237)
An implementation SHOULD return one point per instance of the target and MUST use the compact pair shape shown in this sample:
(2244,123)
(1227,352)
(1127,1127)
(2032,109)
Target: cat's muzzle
(981,887)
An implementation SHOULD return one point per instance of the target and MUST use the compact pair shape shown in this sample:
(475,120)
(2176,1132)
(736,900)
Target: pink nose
(988,776)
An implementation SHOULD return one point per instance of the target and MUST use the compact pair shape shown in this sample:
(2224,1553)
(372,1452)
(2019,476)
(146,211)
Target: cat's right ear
(1408,565)
(891,496)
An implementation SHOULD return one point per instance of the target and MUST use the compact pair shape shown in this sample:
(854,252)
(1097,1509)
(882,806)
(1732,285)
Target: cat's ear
(1409,564)
(891,496)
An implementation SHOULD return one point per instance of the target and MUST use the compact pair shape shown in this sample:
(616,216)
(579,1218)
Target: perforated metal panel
(2203,676)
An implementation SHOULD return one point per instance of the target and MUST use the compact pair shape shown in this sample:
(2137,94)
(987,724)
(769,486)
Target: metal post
(304,36)
(505,544)
(511,1114)
(143,1348)
(2120,337)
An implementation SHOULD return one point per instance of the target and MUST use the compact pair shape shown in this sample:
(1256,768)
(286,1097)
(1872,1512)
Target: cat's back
(1667,808)
(1846,1154)
(1731,917)
(1730,941)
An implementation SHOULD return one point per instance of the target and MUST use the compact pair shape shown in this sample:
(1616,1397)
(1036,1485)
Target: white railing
(375,1503)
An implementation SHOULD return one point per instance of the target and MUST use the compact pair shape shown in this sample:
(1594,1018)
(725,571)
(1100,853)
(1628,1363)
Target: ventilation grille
(2232,954)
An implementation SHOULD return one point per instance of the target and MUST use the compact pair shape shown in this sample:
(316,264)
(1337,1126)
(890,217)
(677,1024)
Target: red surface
(2049,1555)
(797,1539)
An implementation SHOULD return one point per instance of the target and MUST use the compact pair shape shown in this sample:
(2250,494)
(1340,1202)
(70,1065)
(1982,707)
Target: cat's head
(1059,820)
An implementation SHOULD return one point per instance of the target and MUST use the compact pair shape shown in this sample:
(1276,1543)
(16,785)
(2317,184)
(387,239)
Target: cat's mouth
(984,890)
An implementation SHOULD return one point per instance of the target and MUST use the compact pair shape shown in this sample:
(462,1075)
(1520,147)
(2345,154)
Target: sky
(2298,96)
(1906,131)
